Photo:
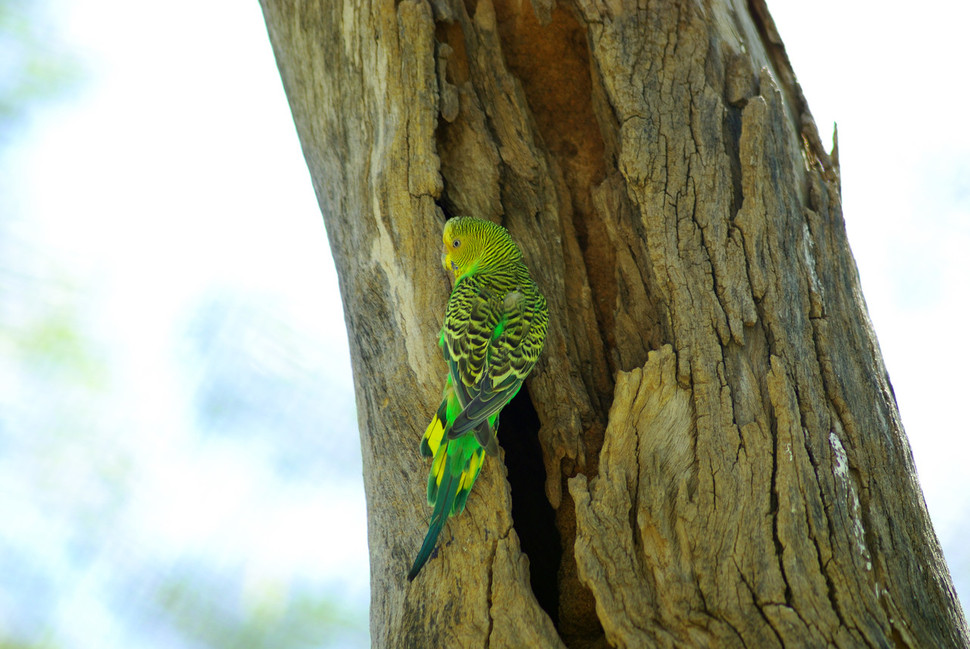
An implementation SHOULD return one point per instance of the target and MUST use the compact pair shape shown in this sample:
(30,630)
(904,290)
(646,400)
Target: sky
(164,208)
(892,80)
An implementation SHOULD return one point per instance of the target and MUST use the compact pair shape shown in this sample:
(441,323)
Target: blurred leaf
(34,65)
(219,610)
(17,644)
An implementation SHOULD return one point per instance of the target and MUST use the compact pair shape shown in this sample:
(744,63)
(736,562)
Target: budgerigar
(494,329)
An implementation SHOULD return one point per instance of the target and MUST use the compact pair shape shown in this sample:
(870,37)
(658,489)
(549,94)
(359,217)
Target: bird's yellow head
(472,244)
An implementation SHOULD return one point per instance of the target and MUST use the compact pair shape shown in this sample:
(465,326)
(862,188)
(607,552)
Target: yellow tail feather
(432,437)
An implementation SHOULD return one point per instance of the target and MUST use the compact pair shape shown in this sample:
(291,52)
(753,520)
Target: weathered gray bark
(720,441)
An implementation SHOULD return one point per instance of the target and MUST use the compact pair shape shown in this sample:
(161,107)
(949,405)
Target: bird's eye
(455,243)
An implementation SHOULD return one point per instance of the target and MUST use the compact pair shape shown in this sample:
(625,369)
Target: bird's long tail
(442,508)
(456,465)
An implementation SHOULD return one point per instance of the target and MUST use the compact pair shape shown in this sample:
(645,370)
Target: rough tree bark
(709,453)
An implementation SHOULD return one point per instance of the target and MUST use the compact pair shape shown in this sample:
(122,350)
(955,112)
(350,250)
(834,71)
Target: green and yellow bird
(493,332)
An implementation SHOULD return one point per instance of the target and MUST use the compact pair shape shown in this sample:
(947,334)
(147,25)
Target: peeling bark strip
(720,441)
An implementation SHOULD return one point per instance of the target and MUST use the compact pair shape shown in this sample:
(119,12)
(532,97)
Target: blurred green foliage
(14,644)
(71,456)
(222,611)
(35,66)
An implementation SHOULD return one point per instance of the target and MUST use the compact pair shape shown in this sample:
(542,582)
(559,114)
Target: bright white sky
(178,169)
(176,174)
(892,78)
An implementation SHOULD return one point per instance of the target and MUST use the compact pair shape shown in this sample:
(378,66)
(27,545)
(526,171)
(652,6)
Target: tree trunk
(708,453)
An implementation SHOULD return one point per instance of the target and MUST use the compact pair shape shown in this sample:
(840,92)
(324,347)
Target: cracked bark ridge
(635,518)
(719,436)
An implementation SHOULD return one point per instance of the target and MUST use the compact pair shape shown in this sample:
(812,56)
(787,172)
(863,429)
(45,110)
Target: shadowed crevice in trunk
(532,515)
